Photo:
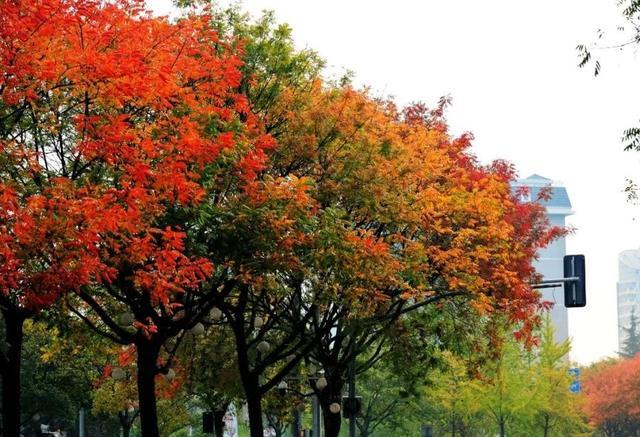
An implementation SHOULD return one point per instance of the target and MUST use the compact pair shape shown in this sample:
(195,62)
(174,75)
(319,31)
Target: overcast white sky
(510,67)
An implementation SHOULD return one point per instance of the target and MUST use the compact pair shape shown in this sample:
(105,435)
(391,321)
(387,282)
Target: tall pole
(81,423)
(295,425)
(352,395)
(316,416)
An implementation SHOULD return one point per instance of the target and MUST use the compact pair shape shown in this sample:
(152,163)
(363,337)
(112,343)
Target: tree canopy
(199,180)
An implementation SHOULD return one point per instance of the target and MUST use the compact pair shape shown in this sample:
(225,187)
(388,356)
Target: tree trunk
(10,371)
(331,393)
(332,422)
(125,423)
(126,430)
(148,350)
(218,422)
(502,429)
(250,380)
(546,425)
(251,386)
(254,406)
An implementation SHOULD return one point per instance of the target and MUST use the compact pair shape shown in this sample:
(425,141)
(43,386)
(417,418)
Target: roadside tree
(611,391)
(108,118)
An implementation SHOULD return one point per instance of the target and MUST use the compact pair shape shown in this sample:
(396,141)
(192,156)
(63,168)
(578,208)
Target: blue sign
(575,383)
(575,387)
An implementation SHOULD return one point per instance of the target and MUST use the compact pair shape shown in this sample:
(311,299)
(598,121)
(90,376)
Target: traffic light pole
(552,283)
(574,281)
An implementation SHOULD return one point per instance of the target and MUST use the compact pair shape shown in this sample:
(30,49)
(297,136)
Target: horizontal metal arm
(550,283)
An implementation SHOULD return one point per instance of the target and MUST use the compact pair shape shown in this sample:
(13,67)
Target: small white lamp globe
(118,374)
(215,314)
(198,329)
(321,383)
(264,347)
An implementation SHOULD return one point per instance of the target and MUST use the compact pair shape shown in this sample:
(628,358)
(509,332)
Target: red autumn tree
(108,118)
(612,391)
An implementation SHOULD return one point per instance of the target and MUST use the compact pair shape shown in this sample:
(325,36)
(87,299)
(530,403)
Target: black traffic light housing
(575,295)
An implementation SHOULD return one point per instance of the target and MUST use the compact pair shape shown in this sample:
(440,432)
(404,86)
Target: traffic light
(575,294)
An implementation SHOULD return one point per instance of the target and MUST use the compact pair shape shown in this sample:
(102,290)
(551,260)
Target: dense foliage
(611,391)
(221,219)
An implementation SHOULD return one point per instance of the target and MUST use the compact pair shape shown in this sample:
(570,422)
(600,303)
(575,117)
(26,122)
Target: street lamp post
(319,381)
(352,395)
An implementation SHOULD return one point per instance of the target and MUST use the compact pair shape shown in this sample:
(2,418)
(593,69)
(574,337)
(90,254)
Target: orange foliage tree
(108,118)
(362,213)
(611,391)
(408,218)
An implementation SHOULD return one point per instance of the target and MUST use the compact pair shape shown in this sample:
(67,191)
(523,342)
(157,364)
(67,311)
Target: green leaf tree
(508,390)
(60,364)
(558,411)
(212,372)
(452,396)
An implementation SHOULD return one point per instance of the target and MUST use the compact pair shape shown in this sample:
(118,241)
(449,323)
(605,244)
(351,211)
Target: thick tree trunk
(251,387)
(332,422)
(331,393)
(10,371)
(250,380)
(218,422)
(254,406)
(148,351)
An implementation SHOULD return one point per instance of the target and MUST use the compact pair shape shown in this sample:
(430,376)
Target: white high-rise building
(628,290)
(550,261)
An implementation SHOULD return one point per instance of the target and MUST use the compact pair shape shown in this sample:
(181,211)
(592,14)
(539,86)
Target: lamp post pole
(352,395)
(81,423)
(316,416)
